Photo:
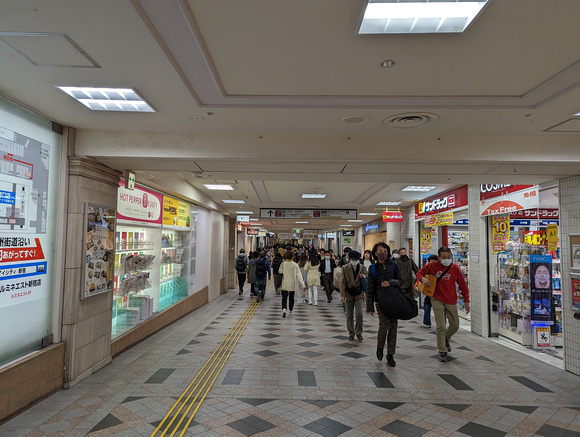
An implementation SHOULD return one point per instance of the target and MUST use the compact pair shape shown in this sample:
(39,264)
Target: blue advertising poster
(541,287)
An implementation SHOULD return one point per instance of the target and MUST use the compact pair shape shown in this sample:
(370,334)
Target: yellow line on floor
(215,362)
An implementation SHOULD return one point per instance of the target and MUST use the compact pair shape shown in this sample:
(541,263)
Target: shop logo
(371,227)
(437,204)
(488,188)
(145,200)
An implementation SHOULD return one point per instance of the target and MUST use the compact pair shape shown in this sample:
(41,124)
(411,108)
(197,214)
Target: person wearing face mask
(352,295)
(384,273)
(408,268)
(395,254)
(327,266)
(444,300)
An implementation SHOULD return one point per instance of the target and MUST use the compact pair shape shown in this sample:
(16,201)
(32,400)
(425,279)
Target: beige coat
(313,277)
(349,280)
(290,274)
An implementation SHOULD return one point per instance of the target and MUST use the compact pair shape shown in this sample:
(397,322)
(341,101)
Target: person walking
(327,266)
(312,278)
(252,272)
(352,295)
(302,260)
(263,275)
(290,275)
(368,259)
(383,273)
(276,271)
(427,300)
(241,266)
(408,269)
(444,300)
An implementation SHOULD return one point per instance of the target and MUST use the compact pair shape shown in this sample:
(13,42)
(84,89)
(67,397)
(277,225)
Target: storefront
(374,232)
(525,242)
(442,221)
(155,247)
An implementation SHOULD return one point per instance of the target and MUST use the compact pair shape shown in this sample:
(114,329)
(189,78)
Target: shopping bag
(428,290)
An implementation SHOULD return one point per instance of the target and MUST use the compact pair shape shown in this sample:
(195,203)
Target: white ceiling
(272,80)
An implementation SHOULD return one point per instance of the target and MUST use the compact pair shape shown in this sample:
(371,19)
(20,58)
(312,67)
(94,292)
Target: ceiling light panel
(313,196)
(108,99)
(388,203)
(244,212)
(368,213)
(218,187)
(418,188)
(420,16)
(233,201)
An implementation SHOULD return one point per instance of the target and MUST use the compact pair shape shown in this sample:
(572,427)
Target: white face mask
(354,263)
(395,255)
(445,262)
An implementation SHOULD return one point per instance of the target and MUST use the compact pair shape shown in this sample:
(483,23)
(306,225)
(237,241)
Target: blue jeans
(260,286)
(426,314)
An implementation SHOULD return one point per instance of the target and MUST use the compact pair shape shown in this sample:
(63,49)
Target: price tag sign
(501,232)
(552,231)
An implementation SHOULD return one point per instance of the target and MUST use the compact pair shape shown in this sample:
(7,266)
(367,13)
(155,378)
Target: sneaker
(283,313)
(345,313)
(447,345)
(309,303)
(427,326)
(443,357)
(290,312)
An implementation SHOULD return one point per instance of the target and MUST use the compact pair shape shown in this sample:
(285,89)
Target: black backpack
(261,268)
(240,264)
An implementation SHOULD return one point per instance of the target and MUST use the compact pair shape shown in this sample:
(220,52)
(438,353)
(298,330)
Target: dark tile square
(251,425)
(334,325)
(380,380)
(306,378)
(477,430)
(183,352)
(271,323)
(309,354)
(304,330)
(550,431)
(132,398)
(404,332)
(386,405)
(482,358)
(108,422)
(427,347)
(463,348)
(233,377)
(268,343)
(160,376)
(193,342)
(255,401)
(520,408)
(531,384)
(269,335)
(308,344)
(417,339)
(404,429)
(321,404)
(327,427)
(455,407)
(348,345)
(454,382)
(354,355)
(266,353)
(307,336)
(201,334)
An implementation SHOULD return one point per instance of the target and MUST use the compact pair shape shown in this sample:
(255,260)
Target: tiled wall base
(158,322)
(29,381)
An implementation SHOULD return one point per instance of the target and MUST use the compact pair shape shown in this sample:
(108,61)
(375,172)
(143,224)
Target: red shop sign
(393,216)
(487,191)
(535,214)
(444,202)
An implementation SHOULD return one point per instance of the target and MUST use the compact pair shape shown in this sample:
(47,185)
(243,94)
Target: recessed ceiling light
(354,119)
(368,213)
(576,115)
(387,63)
(417,188)
(389,203)
(313,196)
(253,220)
(233,201)
(108,99)
(420,16)
(300,222)
(219,187)
(355,221)
(244,212)
(345,226)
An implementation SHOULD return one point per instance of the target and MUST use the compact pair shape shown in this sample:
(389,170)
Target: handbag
(396,303)
(430,290)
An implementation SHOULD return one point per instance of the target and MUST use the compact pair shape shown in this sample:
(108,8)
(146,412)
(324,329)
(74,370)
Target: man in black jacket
(326,268)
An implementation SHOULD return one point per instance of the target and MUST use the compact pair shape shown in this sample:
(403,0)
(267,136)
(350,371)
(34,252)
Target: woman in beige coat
(312,272)
(290,274)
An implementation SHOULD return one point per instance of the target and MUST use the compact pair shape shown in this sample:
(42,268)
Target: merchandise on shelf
(459,245)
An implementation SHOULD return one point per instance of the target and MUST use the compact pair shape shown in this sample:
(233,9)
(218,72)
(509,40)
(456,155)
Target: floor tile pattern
(301,376)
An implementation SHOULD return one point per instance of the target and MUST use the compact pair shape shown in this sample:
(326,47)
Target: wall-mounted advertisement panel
(139,206)
(30,162)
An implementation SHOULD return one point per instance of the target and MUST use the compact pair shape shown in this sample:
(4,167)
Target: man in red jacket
(444,300)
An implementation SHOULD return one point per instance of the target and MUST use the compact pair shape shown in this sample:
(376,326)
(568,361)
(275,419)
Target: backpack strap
(372,270)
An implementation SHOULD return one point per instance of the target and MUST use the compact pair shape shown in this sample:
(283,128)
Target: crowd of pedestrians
(361,281)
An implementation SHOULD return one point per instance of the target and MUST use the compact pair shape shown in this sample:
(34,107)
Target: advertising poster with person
(541,287)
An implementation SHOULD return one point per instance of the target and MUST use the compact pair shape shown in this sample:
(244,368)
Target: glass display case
(174,267)
(514,311)
(459,245)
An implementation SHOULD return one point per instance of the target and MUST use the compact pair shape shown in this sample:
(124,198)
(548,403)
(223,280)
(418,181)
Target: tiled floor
(301,376)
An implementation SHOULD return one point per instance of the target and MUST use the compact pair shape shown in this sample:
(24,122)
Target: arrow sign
(270,213)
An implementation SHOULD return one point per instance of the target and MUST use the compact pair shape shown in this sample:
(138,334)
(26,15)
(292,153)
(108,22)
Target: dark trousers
(387,332)
(285,296)
(241,280)
(328,285)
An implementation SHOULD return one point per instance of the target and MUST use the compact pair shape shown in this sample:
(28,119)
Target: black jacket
(276,264)
(322,267)
(382,272)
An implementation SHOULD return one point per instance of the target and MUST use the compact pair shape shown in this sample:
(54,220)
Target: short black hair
(347,249)
(403,248)
(433,258)
(443,249)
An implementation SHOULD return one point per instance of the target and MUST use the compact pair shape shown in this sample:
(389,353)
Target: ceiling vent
(410,120)
(354,119)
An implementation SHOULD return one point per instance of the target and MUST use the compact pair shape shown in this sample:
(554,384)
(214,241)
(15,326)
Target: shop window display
(459,245)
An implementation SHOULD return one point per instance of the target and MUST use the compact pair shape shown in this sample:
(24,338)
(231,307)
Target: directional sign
(285,213)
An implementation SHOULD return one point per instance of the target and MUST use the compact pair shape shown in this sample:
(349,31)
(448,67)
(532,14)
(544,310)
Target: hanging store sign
(282,213)
(243,218)
(536,213)
(511,202)
(541,287)
(445,202)
(443,219)
(489,191)
(252,231)
(348,233)
(461,222)
(139,206)
(392,216)
(501,232)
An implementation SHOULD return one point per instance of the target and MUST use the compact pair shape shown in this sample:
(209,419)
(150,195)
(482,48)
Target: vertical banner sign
(541,287)
(552,237)
(426,240)
(501,232)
